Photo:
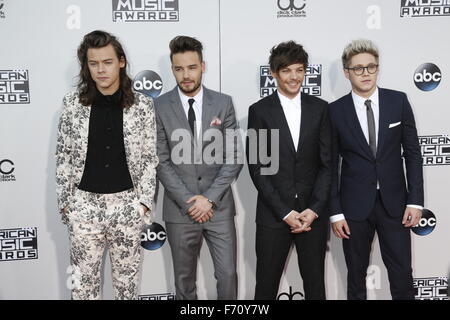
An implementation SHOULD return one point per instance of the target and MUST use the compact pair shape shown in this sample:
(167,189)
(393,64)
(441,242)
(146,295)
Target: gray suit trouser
(185,243)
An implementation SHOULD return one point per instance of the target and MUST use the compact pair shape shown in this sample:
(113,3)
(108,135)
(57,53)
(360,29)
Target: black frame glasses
(359,70)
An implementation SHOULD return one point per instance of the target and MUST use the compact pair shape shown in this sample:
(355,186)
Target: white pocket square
(394,124)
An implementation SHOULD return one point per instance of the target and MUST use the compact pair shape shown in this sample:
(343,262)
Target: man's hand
(341,229)
(200,209)
(293,220)
(145,208)
(411,217)
(206,216)
(306,218)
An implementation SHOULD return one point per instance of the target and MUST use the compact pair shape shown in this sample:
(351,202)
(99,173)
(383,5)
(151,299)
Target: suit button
(199,178)
(107,165)
(108,147)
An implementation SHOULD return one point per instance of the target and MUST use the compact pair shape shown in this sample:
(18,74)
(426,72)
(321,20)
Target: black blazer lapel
(306,114)
(281,123)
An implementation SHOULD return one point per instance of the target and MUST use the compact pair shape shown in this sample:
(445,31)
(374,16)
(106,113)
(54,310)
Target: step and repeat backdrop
(38,66)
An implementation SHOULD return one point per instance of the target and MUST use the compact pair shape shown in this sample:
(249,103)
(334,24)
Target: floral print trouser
(94,221)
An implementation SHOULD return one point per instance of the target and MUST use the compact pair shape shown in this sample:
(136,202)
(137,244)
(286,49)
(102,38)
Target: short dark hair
(285,54)
(181,44)
(86,86)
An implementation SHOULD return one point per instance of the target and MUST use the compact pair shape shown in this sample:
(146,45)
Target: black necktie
(191,115)
(371,127)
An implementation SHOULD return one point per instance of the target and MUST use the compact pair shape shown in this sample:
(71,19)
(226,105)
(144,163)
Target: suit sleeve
(412,156)
(174,186)
(149,157)
(262,182)
(229,169)
(321,193)
(63,157)
(335,199)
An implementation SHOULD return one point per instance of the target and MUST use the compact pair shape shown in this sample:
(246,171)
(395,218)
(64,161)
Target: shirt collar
(285,100)
(107,100)
(198,97)
(359,101)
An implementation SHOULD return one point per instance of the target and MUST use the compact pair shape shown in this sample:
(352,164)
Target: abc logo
(427,77)
(6,167)
(148,82)
(426,224)
(153,236)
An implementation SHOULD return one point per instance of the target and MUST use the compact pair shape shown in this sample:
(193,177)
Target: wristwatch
(212,203)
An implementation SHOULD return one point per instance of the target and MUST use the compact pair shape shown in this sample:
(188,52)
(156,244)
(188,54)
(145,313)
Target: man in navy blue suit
(371,127)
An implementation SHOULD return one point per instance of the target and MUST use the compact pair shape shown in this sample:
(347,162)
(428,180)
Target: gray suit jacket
(184,180)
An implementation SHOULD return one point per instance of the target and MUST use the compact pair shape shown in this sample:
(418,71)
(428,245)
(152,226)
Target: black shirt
(106,169)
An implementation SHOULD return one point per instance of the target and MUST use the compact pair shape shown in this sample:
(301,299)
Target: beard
(197,85)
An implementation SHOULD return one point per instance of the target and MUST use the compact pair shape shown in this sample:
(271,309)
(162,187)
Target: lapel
(177,108)
(355,126)
(306,113)
(128,119)
(81,142)
(209,110)
(281,123)
(383,119)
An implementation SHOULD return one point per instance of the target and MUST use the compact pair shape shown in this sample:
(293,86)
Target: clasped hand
(301,222)
(201,210)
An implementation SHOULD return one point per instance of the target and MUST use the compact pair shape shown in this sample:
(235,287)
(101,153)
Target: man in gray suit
(197,164)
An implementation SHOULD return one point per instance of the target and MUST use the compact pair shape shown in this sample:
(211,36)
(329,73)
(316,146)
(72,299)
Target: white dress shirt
(197,106)
(361,112)
(292,109)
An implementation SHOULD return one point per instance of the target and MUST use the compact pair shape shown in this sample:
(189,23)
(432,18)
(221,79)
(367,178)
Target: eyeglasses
(358,70)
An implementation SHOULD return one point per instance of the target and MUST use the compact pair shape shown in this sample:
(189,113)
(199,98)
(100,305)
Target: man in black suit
(370,128)
(292,202)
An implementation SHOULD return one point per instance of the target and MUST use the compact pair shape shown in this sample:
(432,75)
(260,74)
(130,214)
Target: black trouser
(395,245)
(272,249)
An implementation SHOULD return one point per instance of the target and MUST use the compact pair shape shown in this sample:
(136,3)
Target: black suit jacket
(355,195)
(306,172)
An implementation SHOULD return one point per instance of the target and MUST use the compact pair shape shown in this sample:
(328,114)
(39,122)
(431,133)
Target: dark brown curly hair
(86,86)
(285,54)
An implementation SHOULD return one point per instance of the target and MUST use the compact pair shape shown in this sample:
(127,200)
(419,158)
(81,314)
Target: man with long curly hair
(105,168)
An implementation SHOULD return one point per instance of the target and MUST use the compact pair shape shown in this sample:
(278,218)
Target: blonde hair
(356,47)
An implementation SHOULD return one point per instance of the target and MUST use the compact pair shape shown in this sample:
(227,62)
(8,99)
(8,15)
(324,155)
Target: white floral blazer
(139,131)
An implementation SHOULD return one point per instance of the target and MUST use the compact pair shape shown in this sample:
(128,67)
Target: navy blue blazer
(353,192)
